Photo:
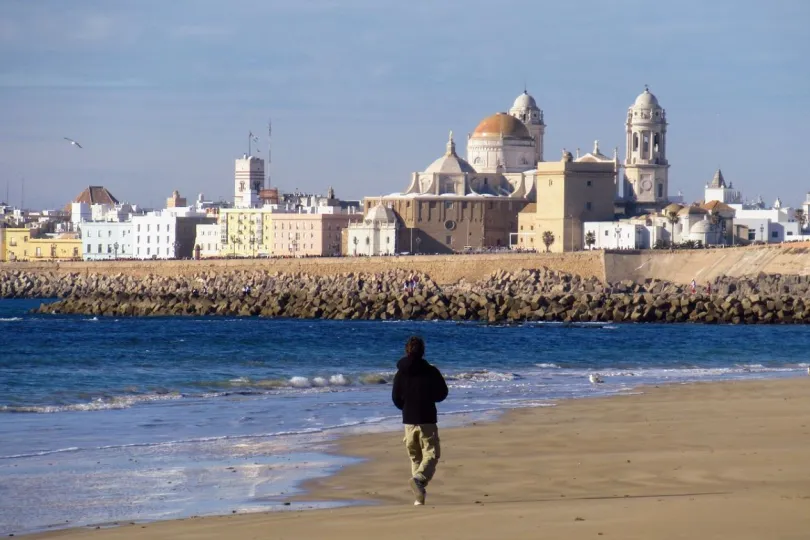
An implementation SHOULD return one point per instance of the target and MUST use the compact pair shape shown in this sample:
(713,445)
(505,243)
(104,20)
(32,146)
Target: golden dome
(502,124)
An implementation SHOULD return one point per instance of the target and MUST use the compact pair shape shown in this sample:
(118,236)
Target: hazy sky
(162,93)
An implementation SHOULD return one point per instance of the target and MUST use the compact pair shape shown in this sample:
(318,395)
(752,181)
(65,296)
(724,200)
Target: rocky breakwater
(504,297)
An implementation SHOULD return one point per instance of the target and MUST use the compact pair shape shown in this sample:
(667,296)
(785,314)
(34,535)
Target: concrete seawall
(443,269)
(706,265)
(677,267)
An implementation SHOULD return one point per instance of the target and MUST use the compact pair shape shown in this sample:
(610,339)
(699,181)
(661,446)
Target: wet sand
(709,460)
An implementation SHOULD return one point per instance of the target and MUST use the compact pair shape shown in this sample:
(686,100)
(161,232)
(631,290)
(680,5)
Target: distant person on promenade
(693,285)
(418,386)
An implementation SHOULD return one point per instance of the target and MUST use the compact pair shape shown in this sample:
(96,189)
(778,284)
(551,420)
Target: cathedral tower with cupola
(526,110)
(646,167)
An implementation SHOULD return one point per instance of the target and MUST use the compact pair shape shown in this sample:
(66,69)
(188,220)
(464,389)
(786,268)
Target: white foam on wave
(215,439)
(548,366)
(483,375)
(10,319)
(98,404)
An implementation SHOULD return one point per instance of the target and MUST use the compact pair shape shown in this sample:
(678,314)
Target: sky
(361,93)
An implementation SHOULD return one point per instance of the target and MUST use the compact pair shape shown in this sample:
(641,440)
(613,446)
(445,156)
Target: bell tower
(646,167)
(526,110)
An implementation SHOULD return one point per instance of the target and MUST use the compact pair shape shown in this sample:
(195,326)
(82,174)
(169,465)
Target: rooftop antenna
(269,134)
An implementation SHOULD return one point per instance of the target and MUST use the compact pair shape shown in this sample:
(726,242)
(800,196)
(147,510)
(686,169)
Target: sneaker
(418,489)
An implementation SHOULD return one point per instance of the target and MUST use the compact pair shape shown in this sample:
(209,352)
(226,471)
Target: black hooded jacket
(418,387)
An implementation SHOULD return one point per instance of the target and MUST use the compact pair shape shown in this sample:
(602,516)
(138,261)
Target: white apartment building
(207,240)
(167,234)
(103,240)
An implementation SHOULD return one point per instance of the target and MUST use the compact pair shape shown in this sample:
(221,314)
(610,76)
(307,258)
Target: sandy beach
(709,460)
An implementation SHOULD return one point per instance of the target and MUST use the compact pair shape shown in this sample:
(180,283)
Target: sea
(108,421)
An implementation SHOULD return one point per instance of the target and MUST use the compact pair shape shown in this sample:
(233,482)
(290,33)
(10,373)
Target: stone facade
(569,193)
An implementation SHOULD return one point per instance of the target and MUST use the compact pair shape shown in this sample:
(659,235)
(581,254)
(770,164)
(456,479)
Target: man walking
(418,386)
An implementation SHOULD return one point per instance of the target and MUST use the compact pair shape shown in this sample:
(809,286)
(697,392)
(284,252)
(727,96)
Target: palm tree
(590,239)
(800,218)
(548,239)
(673,219)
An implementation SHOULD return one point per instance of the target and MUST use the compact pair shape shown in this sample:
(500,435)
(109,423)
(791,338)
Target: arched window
(660,190)
(656,142)
(635,141)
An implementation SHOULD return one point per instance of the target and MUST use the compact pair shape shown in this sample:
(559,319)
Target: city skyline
(362,94)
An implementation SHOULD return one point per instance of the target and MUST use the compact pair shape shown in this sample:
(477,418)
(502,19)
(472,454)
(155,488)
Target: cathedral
(457,204)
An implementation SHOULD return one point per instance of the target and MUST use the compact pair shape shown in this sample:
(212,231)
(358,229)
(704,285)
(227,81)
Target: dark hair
(415,347)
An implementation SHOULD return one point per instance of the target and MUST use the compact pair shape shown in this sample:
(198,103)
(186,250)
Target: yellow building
(569,193)
(246,232)
(17,245)
(61,248)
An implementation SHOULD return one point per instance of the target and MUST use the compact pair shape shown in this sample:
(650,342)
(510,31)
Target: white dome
(381,213)
(524,101)
(646,100)
(702,227)
(451,164)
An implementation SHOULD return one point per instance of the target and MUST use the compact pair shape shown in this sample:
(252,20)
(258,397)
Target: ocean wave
(10,319)
(483,375)
(97,404)
(548,366)
(214,439)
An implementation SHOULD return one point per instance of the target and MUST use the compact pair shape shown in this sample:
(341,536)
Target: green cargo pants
(422,444)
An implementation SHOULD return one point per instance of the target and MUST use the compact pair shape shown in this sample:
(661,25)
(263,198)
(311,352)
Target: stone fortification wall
(677,267)
(503,297)
(443,269)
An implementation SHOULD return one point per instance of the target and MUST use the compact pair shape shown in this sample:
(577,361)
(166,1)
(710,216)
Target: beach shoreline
(732,450)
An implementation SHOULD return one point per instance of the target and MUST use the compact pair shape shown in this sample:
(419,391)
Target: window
(790,233)
(587,205)
(448,205)
(635,141)
(99,233)
(775,234)
(39,252)
(99,248)
(157,227)
(139,228)
(660,190)
(167,239)
(109,234)
(147,228)
(752,235)
(75,252)
(606,233)
(139,239)
(448,240)
(13,242)
(148,240)
(147,251)
(109,248)
(589,183)
(89,248)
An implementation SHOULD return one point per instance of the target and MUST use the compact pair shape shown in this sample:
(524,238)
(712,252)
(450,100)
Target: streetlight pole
(115,250)
(418,241)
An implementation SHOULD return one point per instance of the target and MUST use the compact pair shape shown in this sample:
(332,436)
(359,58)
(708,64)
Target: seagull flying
(74,143)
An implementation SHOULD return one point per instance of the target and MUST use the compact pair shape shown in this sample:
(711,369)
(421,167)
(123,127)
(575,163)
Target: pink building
(314,235)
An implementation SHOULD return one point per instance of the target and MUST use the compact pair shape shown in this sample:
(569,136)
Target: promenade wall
(677,267)
(443,269)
